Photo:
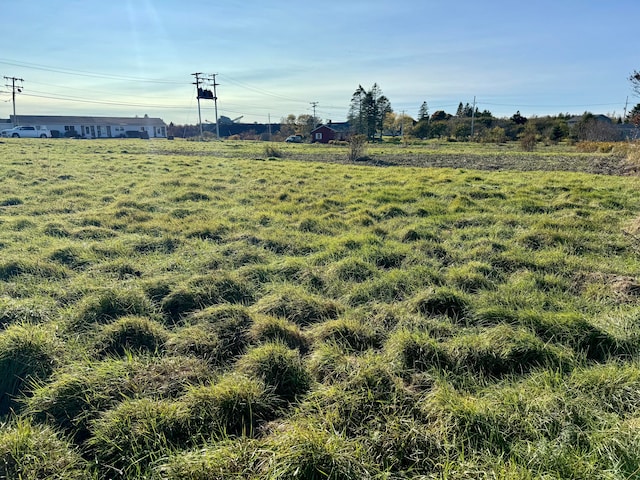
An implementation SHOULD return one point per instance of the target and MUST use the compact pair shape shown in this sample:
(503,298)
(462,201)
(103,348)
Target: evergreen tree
(356,111)
(423,113)
(368,110)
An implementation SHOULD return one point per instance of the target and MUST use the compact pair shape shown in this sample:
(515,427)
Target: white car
(37,131)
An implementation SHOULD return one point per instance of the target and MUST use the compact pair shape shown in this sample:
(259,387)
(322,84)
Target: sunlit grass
(212,310)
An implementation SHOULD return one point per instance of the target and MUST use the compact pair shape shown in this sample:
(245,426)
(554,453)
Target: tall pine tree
(367,111)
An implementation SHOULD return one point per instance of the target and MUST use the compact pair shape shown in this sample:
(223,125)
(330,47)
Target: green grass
(192,310)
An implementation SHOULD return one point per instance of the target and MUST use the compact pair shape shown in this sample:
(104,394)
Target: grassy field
(187,310)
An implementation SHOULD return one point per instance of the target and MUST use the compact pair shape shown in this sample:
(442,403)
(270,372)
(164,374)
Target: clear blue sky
(274,57)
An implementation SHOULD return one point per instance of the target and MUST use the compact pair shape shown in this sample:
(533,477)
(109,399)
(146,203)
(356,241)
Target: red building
(330,131)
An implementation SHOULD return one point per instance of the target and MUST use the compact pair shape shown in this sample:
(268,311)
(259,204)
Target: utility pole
(473,114)
(14,88)
(314,104)
(197,84)
(626,104)
(269,120)
(215,104)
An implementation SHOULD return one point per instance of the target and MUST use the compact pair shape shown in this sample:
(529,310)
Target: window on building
(318,136)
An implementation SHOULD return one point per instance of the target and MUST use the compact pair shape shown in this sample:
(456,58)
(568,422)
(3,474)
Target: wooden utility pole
(197,84)
(14,88)
(215,103)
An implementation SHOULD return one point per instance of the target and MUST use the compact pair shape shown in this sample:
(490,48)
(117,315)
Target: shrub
(357,147)
(279,367)
(138,334)
(271,151)
(234,405)
(28,354)
(35,452)
(528,141)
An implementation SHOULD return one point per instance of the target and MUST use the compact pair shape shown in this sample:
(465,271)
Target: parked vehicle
(37,131)
(294,139)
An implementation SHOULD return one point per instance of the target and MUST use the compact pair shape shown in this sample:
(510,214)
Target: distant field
(215,310)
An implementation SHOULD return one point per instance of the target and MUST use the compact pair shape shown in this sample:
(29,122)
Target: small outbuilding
(331,131)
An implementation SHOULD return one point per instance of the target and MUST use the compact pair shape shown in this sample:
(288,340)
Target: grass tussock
(30,451)
(28,354)
(178,310)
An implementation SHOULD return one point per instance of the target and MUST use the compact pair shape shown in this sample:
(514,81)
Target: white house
(97,127)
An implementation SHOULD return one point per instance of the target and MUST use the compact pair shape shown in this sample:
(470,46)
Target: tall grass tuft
(137,334)
(298,306)
(267,329)
(28,353)
(310,451)
(279,367)
(79,393)
(442,301)
(201,292)
(236,459)
(108,304)
(235,405)
(135,434)
(350,334)
(34,452)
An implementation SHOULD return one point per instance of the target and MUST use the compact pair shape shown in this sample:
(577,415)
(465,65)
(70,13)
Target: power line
(81,73)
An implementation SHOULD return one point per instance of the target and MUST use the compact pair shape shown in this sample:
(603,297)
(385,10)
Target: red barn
(330,131)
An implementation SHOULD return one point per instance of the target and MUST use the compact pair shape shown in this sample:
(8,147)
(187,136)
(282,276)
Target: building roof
(88,121)
(335,126)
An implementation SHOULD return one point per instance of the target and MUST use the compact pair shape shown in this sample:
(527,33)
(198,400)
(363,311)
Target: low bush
(270,151)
